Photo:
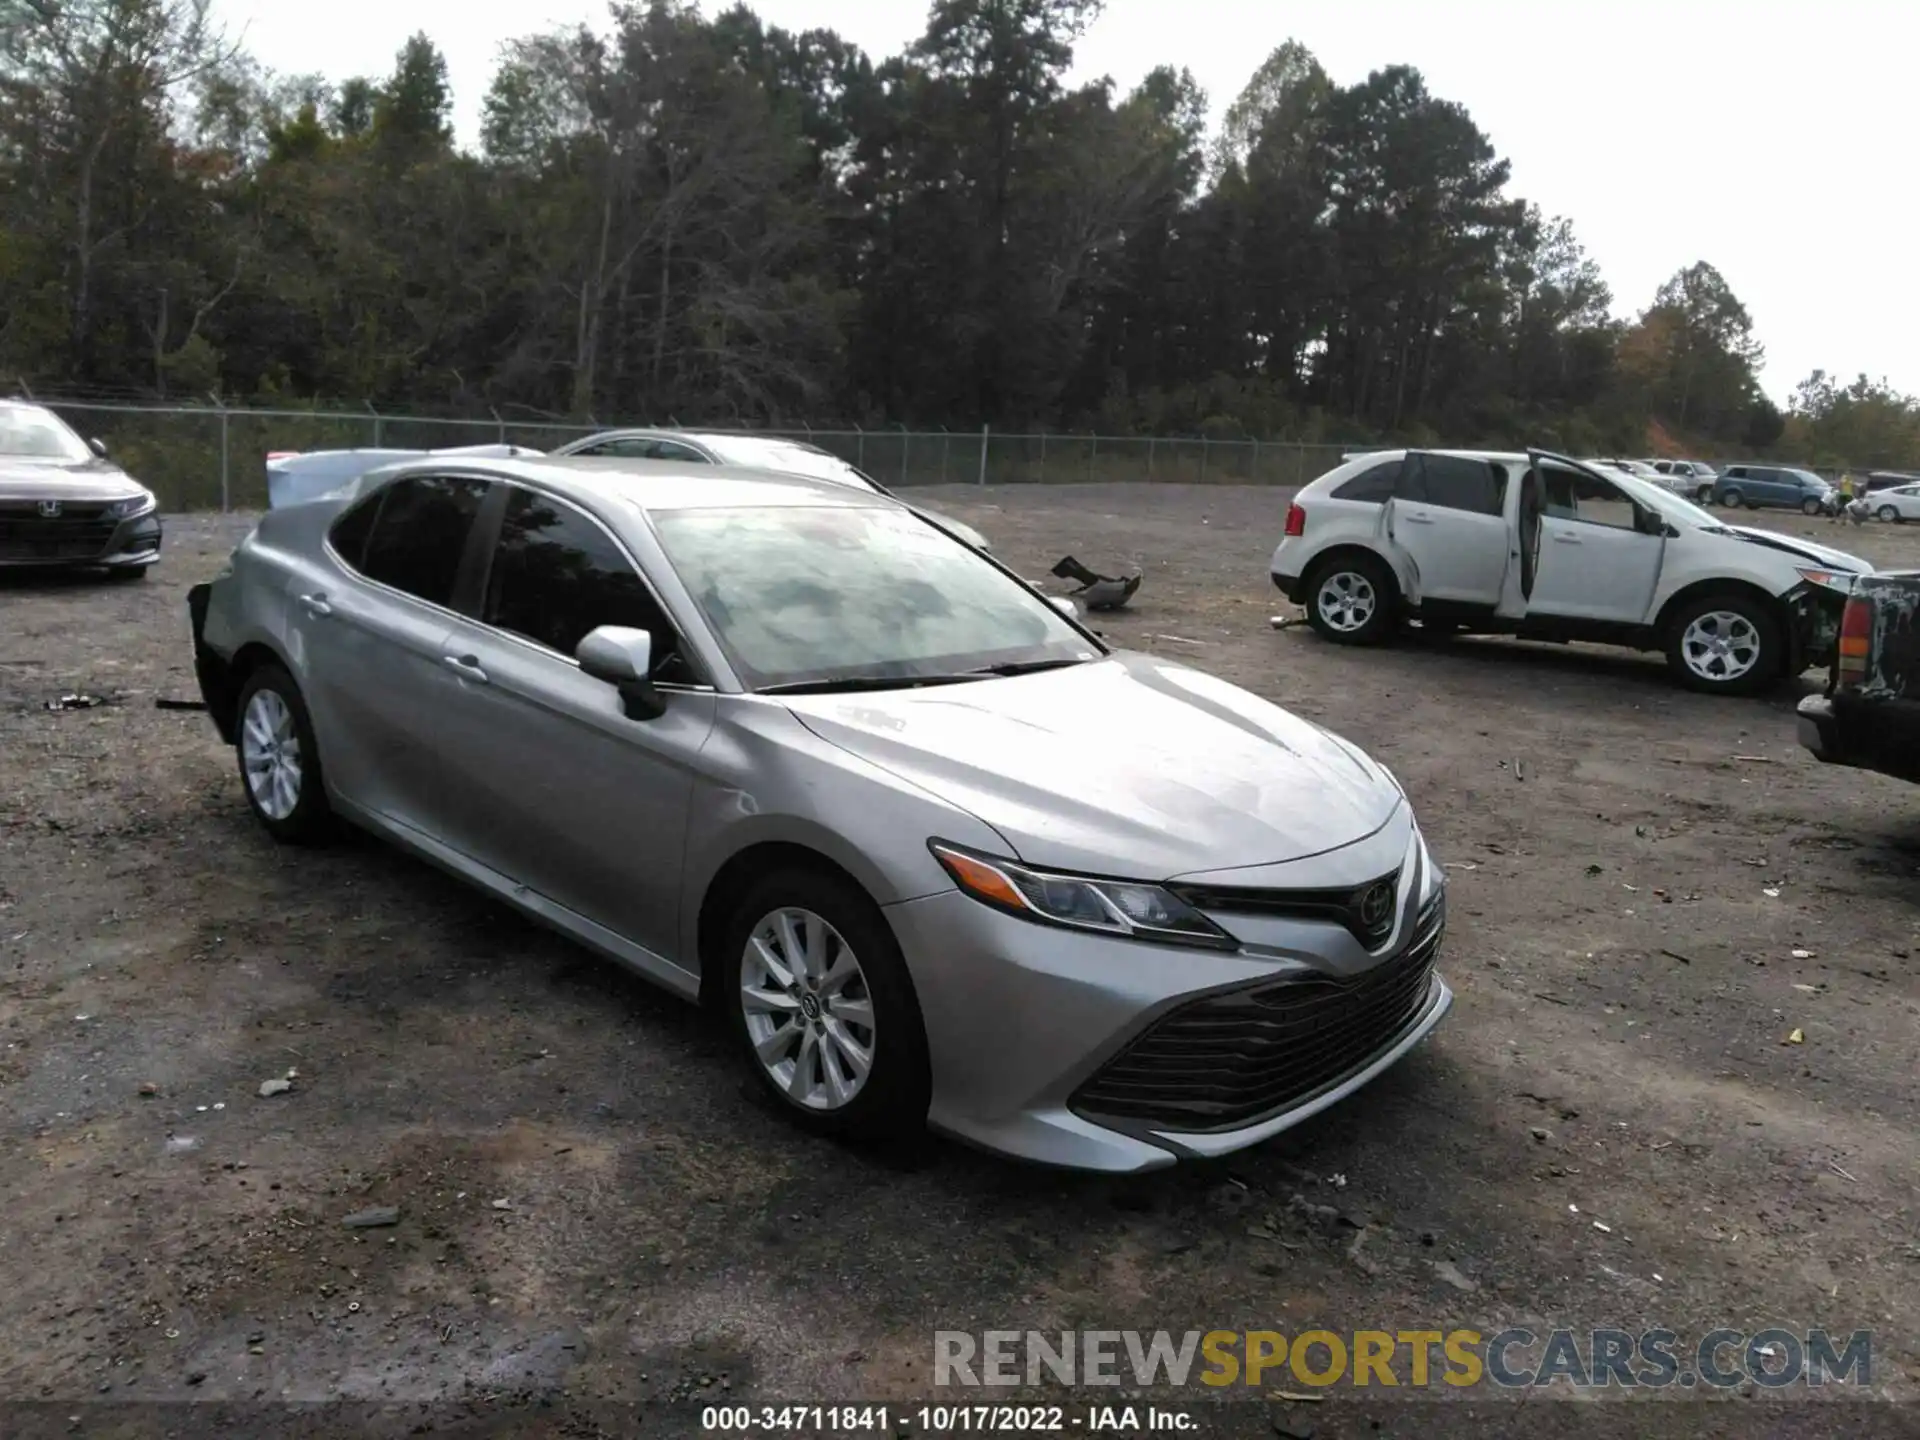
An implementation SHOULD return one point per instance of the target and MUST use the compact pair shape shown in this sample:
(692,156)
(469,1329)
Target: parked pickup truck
(1547,548)
(1869,716)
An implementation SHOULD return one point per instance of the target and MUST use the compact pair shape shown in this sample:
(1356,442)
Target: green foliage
(721,220)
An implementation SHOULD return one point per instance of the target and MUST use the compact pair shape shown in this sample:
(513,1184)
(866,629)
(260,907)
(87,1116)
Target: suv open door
(1448,519)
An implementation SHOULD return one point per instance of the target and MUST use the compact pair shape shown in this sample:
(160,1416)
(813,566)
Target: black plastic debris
(1097,592)
(78,702)
(162,703)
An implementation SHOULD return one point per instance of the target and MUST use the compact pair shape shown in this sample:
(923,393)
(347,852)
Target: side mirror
(98,446)
(1066,605)
(622,657)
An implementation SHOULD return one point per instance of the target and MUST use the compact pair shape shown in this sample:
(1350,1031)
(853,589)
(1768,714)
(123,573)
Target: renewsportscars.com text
(1510,1359)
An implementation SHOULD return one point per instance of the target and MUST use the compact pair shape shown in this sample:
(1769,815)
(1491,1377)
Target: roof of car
(658,484)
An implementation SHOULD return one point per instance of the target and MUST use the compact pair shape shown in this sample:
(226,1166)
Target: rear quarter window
(1374,485)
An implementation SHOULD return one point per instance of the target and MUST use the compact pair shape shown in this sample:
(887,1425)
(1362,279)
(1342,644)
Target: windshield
(801,594)
(793,459)
(29,431)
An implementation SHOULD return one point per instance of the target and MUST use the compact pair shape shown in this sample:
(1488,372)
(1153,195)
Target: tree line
(714,220)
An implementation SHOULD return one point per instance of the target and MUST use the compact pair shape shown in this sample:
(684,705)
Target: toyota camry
(934,851)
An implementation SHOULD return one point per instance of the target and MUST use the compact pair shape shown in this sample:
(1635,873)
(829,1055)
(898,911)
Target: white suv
(1547,548)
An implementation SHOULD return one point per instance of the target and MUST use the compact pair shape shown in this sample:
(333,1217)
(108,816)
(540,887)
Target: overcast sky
(1773,138)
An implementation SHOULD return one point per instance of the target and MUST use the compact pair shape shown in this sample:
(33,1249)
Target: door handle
(1566,540)
(1413,519)
(316,605)
(466,667)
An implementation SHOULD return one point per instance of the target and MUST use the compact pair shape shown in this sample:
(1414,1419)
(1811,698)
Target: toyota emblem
(49,509)
(1376,907)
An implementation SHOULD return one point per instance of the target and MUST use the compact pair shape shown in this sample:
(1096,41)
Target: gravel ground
(600,1221)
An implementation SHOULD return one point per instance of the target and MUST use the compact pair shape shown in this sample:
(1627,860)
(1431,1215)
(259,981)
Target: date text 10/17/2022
(943,1419)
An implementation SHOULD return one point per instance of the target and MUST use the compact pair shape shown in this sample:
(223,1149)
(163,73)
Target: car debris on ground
(1097,592)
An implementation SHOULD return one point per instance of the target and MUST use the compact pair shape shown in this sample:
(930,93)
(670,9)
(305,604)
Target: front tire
(279,762)
(1726,644)
(1811,506)
(1890,515)
(1703,496)
(824,1009)
(1351,600)
(1732,499)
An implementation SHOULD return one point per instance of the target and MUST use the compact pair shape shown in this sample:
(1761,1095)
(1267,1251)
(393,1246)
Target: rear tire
(1726,644)
(1352,600)
(279,762)
(804,1027)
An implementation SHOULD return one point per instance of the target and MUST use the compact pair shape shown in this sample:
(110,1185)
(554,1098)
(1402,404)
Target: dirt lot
(1652,891)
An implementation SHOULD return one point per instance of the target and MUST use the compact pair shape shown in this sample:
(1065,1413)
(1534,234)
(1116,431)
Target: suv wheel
(823,1007)
(1727,644)
(1889,514)
(1351,600)
(1811,506)
(279,763)
(1732,499)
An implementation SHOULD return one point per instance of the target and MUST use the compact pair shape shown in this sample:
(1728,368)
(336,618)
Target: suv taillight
(1856,639)
(1296,522)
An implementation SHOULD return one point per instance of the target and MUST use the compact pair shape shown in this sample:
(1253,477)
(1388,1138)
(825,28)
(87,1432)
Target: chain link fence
(208,458)
(204,458)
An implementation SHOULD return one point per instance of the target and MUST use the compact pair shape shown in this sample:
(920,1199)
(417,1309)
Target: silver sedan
(935,852)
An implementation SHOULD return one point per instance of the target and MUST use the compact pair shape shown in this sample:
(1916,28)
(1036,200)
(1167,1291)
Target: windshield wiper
(853,684)
(1026,667)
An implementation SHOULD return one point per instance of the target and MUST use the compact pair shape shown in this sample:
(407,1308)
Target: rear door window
(1374,485)
(420,534)
(1454,482)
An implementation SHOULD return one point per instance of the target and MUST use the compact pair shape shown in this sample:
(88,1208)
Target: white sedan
(1897,505)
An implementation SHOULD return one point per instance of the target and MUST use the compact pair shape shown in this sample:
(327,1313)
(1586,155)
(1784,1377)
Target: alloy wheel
(1720,646)
(270,751)
(808,1010)
(1347,601)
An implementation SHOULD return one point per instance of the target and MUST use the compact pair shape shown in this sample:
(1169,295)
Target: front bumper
(1814,634)
(1037,1034)
(79,536)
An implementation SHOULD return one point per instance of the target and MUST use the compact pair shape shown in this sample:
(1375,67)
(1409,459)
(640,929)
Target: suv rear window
(1374,484)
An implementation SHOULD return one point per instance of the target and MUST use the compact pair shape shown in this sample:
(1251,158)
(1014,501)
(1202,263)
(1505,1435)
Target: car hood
(1128,766)
(26,479)
(1804,549)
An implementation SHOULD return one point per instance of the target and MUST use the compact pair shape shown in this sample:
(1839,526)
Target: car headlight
(131,506)
(1114,907)
(1840,580)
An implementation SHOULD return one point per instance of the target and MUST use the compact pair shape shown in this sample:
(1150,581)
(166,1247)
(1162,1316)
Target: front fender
(768,779)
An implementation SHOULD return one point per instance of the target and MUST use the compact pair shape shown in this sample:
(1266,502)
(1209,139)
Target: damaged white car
(1547,548)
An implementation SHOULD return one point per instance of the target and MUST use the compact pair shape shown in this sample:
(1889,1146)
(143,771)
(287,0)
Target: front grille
(81,531)
(1370,925)
(1231,1059)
